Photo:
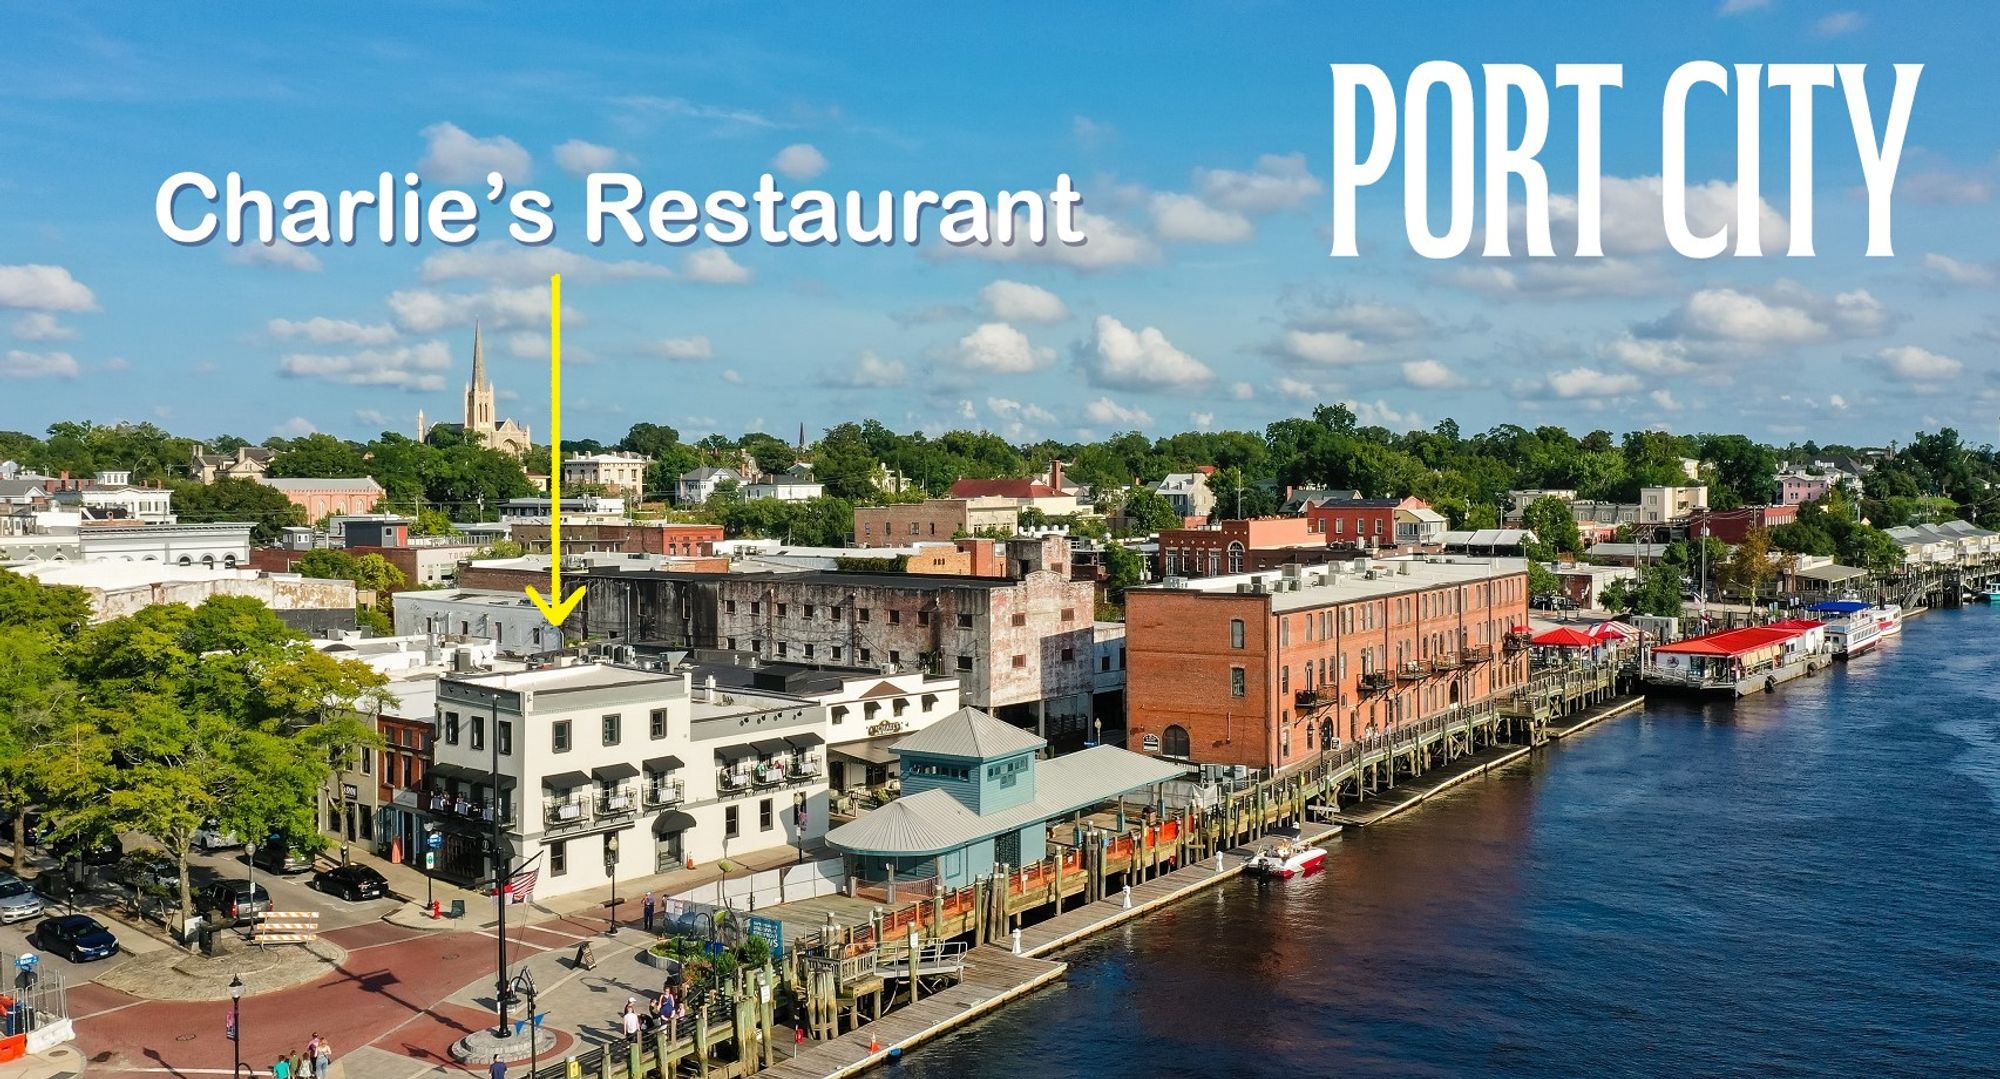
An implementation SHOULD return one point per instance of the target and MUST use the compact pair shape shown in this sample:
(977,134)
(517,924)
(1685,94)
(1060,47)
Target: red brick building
(1316,657)
(1366,522)
(1731,526)
(639,537)
(1242,546)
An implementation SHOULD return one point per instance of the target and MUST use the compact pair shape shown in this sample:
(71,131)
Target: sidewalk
(60,1062)
(666,885)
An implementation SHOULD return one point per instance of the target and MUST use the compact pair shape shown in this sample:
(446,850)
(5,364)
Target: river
(1805,883)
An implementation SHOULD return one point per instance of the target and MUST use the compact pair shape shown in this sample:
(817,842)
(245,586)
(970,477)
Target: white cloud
(296,427)
(1950,271)
(455,156)
(683,349)
(1836,401)
(999,349)
(1429,375)
(1576,279)
(1019,419)
(870,372)
(1202,421)
(1367,319)
(40,326)
(1664,401)
(415,368)
(1323,348)
(580,158)
(1630,221)
(1109,413)
(1946,187)
(1126,359)
(732,376)
(329,331)
(532,265)
(1012,301)
(800,161)
(18,364)
(370,417)
(1590,382)
(1090,133)
(285,256)
(1295,388)
(429,311)
(1656,355)
(1280,181)
(1783,315)
(1107,243)
(1382,414)
(1188,219)
(1919,364)
(43,288)
(1242,391)
(1840,22)
(713,266)
(1738,7)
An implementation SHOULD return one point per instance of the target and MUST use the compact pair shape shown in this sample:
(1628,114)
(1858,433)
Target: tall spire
(478,358)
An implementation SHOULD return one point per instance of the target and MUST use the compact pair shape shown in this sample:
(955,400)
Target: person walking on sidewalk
(325,1062)
(310,1062)
(646,904)
(281,1069)
(630,1021)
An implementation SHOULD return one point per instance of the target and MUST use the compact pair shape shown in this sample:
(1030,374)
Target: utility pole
(501,983)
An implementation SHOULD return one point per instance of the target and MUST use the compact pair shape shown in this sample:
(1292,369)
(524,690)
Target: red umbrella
(1564,637)
(1609,631)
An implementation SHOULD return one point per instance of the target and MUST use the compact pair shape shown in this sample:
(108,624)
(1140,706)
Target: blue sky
(1199,136)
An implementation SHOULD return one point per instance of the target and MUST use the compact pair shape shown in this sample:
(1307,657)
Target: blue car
(78,938)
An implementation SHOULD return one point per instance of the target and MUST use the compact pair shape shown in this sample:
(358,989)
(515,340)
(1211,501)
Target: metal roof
(973,734)
(1832,572)
(1487,537)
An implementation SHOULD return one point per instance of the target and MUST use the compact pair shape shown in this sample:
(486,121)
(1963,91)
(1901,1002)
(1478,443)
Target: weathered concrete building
(934,519)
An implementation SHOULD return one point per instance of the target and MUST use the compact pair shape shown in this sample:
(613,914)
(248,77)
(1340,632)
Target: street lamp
(611,867)
(430,856)
(525,984)
(236,1023)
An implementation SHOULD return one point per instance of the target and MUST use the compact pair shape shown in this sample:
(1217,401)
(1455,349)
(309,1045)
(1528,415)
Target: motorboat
(1851,626)
(1285,860)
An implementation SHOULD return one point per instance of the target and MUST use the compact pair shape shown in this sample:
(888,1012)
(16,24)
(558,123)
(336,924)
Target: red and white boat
(1283,861)
(1889,617)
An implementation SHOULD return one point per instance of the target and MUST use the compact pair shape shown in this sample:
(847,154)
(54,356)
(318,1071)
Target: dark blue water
(1806,883)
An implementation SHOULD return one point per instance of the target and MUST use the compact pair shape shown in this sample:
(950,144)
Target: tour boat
(1282,861)
(1991,593)
(1851,626)
(1889,618)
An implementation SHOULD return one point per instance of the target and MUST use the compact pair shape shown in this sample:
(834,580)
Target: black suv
(238,900)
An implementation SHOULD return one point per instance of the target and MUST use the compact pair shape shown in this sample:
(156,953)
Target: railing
(1477,653)
(618,802)
(445,805)
(1517,641)
(1444,661)
(1313,698)
(732,779)
(663,792)
(1411,671)
(573,809)
(1376,682)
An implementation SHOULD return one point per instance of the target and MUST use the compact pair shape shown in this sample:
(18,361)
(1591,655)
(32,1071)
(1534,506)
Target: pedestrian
(325,1067)
(310,1062)
(294,1068)
(497,1069)
(282,1069)
(630,1020)
(647,905)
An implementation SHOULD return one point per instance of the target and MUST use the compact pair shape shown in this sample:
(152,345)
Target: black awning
(732,754)
(612,773)
(565,780)
(463,774)
(673,820)
(768,746)
(804,740)
(664,764)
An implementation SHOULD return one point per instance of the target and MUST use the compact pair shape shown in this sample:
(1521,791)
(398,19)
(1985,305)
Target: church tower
(479,393)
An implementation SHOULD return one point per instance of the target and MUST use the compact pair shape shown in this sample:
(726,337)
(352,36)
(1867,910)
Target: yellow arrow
(560,609)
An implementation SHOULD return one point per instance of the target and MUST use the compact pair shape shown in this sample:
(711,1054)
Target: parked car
(151,869)
(18,902)
(238,900)
(355,882)
(278,856)
(99,852)
(212,837)
(78,938)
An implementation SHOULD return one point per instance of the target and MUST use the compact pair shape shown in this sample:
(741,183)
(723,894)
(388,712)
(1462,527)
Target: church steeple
(479,393)
(478,358)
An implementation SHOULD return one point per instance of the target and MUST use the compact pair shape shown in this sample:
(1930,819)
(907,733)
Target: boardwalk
(993,976)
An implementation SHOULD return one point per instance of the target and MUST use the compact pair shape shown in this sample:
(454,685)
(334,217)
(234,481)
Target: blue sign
(28,961)
(434,840)
(772,930)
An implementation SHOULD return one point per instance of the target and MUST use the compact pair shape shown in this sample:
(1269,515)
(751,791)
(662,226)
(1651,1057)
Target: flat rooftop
(1337,582)
(577,676)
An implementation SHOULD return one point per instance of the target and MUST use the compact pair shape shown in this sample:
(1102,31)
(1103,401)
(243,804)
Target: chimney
(1055,476)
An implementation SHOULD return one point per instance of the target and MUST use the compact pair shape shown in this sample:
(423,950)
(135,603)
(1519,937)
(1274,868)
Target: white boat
(1284,860)
(1888,618)
(1851,626)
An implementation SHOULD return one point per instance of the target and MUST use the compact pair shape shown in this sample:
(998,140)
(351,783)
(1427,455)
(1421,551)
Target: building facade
(618,473)
(329,497)
(1266,670)
(1659,505)
(1241,546)
(508,619)
(938,519)
(1360,522)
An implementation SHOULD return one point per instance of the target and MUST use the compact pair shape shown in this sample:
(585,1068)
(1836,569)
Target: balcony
(571,809)
(1315,698)
(1411,671)
(1477,653)
(663,792)
(771,773)
(732,779)
(1444,661)
(447,807)
(1376,682)
(1518,639)
(617,802)
(805,767)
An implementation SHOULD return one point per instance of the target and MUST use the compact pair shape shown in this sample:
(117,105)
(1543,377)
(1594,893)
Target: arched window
(1235,557)
(1174,741)
(186,561)
(208,560)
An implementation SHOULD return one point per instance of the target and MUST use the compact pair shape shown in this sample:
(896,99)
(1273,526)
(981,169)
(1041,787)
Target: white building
(795,484)
(581,509)
(1188,493)
(617,473)
(510,620)
(1659,505)
(698,486)
(221,544)
(115,495)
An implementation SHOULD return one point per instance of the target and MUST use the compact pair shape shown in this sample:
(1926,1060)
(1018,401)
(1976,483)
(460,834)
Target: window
(764,815)
(809,651)
(1174,741)
(923,618)
(756,607)
(1236,681)
(808,616)
(732,644)
(895,658)
(729,606)
(965,663)
(731,826)
(833,613)
(1069,614)
(895,617)
(781,610)
(1068,655)
(368,761)
(836,653)
(839,713)
(862,614)
(1104,662)
(656,727)
(965,621)
(757,646)
(865,656)
(558,858)
(1020,662)
(1019,619)
(479,732)
(611,730)
(504,731)
(1236,633)
(784,648)
(451,728)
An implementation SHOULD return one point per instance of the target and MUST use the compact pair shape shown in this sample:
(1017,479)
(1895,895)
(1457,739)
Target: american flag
(521,886)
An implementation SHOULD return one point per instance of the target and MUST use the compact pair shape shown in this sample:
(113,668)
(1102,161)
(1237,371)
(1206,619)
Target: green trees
(238,500)
(1752,565)
(1150,511)
(369,572)
(319,456)
(158,721)
(1550,519)
(1656,590)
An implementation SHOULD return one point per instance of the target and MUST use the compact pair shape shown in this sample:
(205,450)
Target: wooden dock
(993,976)
(1590,717)
(1413,792)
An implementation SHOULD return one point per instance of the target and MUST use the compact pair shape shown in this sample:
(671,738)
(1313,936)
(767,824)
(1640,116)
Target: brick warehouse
(1264,670)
